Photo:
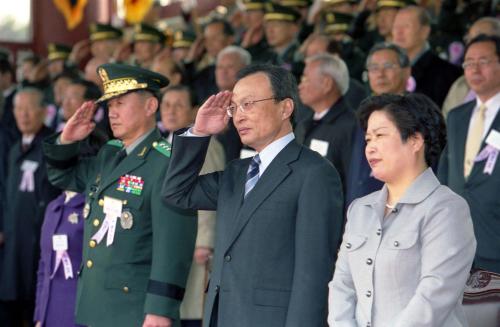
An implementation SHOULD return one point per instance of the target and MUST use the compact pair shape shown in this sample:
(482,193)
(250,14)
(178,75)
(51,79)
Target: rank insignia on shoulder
(116,143)
(163,147)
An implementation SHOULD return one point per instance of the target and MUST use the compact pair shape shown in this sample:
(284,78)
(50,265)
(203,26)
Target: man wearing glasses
(279,214)
(473,127)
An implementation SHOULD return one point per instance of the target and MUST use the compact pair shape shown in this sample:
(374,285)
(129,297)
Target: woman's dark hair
(411,113)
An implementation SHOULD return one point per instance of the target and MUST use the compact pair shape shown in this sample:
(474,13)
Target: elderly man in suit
(330,130)
(279,214)
(432,75)
(469,164)
(137,250)
(27,194)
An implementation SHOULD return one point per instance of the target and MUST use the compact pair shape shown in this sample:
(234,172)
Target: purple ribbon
(108,227)
(491,154)
(63,256)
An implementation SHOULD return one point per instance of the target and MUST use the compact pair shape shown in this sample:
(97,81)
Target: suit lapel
(277,171)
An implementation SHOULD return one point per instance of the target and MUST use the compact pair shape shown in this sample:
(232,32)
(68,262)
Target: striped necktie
(252,174)
(474,139)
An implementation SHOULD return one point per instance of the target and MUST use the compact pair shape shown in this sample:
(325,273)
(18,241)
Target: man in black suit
(279,214)
(330,130)
(29,192)
(432,75)
(471,130)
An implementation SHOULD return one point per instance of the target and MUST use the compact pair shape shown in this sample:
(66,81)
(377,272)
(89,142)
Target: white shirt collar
(270,152)
(320,115)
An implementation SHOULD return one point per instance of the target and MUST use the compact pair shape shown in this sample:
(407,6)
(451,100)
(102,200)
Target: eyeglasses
(481,63)
(245,106)
(373,68)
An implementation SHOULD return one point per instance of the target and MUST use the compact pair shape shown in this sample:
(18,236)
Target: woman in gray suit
(408,248)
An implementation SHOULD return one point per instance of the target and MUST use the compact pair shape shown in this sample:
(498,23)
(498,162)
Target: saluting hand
(156,321)
(212,116)
(80,125)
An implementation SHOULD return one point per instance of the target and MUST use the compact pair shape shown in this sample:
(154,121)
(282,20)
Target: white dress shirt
(492,105)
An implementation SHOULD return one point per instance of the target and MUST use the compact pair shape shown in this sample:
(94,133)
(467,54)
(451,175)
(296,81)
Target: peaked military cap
(338,2)
(335,22)
(396,4)
(145,32)
(183,39)
(58,51)
(254,4)
(280,13)
(296,3)
(118,79)
(104,32)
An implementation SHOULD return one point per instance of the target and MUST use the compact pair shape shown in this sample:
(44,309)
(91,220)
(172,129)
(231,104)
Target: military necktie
(474,139)
(252,174)
(119,156)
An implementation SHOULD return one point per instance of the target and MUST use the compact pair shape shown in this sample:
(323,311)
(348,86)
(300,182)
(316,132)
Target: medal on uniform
(86,210)
(131,184)
(126,219)
(73,218)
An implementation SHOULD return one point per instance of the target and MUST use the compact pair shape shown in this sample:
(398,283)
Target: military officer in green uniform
(137,250)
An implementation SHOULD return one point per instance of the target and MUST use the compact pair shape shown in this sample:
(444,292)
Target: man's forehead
(384,54)
(250,85)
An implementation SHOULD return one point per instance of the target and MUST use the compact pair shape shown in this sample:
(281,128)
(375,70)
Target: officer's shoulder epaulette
(116,143)
(163,147)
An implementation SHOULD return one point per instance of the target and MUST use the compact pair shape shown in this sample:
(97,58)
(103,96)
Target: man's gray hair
(334,67)
(32,90)
(403,59)
(244,55)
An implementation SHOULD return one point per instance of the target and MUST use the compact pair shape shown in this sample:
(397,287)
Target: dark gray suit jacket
(275,251)
(480,190)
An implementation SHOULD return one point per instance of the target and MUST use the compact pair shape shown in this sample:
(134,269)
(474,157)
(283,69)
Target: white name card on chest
(319,146)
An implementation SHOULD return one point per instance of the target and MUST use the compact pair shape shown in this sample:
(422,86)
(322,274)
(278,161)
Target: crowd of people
(280,163)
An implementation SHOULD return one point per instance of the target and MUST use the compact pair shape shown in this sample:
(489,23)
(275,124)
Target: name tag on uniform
(60,242)
(319,146)
(493,139)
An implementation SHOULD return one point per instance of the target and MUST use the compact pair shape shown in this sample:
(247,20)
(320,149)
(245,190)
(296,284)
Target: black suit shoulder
(461,112)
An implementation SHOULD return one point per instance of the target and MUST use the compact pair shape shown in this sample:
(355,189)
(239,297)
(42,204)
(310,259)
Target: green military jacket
(144,270)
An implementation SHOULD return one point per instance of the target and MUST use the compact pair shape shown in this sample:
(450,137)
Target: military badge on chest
(131,184)
(126,219)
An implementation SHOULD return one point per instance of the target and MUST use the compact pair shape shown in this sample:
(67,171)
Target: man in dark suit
(279,214)
(432,75)
(474,129)
(27,193)
(330,131)
(137,250)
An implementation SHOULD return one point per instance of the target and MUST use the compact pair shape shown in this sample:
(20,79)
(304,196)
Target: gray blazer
(275,251)
(409,268)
